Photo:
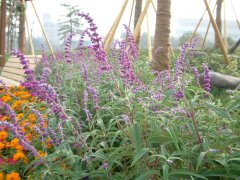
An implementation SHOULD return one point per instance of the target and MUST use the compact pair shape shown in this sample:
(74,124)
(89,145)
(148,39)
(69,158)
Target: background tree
(21,7)
(218,20)
(69,23)
(161,59)
(2,32)
(138,10)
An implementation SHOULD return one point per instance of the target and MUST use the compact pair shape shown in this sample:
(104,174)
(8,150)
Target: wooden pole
(44,33)
(223,49)
(114,27)
(30,38)
(154,7)
(130,19)
(205,37)
(149,41)
(140,20)
(225,25)
(235,14)
(195,30)
(2,33)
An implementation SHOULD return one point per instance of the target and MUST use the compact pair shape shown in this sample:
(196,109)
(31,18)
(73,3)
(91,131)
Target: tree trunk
(22,31)
(2,33)
(138,10)
(161,46)
(218,20)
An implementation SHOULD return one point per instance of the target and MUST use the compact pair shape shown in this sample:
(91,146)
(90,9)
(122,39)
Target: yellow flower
(13,176)
(3,135)
(1,176)
(1,147)
(19,155)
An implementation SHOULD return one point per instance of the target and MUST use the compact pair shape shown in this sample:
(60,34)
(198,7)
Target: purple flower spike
(207,78)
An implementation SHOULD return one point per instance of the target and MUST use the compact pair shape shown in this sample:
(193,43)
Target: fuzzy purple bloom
(207,78)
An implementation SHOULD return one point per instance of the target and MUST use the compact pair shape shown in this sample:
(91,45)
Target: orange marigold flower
(5,118)
(19,116)
(13,176)
(19,155)
(6,98)
(3,135)
(1,176)
(2,146)
(14,142)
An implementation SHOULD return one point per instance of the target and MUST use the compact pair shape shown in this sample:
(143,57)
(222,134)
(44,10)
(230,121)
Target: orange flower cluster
(11,176)
(11,150)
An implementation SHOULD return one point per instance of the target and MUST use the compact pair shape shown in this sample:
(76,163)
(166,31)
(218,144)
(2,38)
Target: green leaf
(139,155)
(173,137)
(136,133)
(220,111)
(165,171)
(147,175)
(200,159)
(98,155)
(185,173)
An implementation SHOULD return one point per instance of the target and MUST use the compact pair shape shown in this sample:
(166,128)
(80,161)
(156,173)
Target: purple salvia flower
(193,45)
(54,138)
(196,74)
(97,42)
(10,112)
(180,63)
(88,113)
(41,122)
(131,42)
(126,119)
(105,165)
(68,43)
(60,130)
(207,78)
(45,74)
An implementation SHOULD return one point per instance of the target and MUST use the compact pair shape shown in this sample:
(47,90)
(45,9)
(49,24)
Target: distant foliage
(70,22)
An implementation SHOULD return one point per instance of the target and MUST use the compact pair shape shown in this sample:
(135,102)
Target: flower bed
(22,132)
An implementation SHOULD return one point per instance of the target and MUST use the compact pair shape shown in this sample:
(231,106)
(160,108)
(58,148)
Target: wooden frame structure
(2,32)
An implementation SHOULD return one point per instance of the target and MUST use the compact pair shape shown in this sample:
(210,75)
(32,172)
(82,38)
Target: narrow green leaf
(139,155)
(187,173)
(147,175)
(136,133)
(173,137)
(220,111)
(165,171)
(200,159)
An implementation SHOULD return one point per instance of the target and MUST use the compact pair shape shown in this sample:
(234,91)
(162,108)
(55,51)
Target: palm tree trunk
(161,59)
(2,32)
(218,20)
(138,10)
(22,31)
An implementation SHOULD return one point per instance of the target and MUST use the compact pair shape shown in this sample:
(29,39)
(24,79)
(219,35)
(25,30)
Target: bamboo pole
(199,22)
(114,27)
(235,14)
(130,19)
(205,37)
(43,30)
(154,7)
(140,20)
(225,25)
(223,49)
(30,38)
(149,41)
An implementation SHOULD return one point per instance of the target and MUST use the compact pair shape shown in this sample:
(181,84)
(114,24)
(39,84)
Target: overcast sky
(104,12)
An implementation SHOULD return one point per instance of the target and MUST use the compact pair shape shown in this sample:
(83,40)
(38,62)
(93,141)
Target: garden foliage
(89,114)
